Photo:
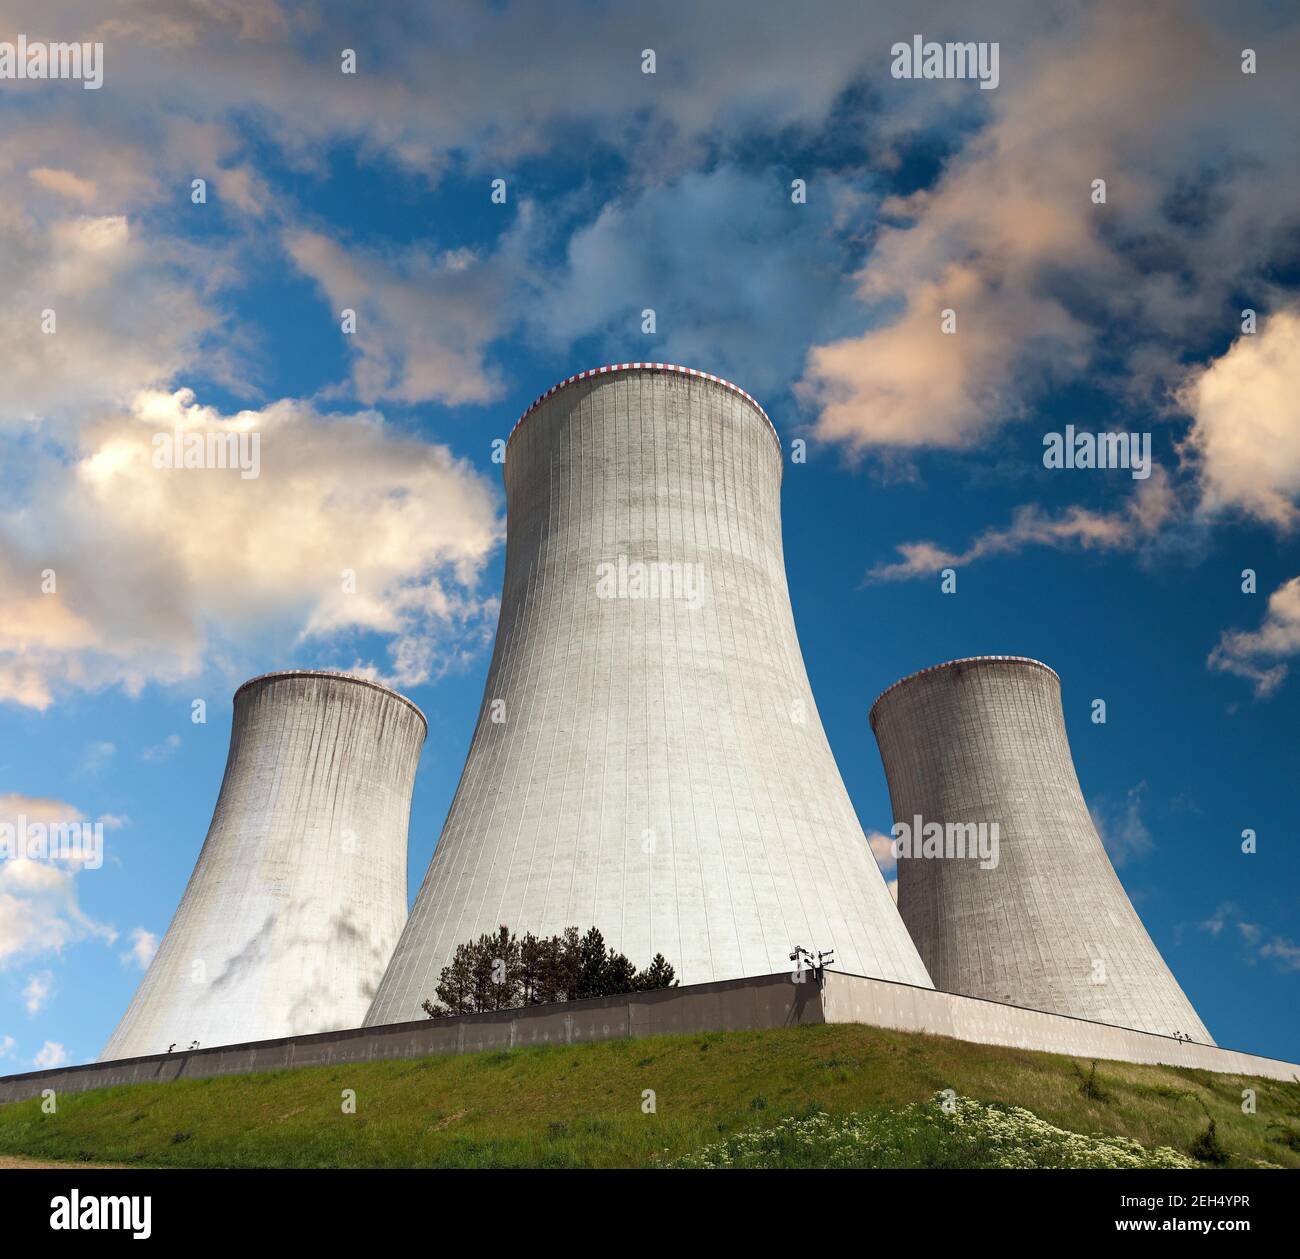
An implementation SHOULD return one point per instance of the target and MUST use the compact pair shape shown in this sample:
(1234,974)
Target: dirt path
(12,1162)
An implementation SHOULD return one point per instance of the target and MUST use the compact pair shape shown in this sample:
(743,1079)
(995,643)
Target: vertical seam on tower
(718,551)
(697,469)
(586,420)
(733,440)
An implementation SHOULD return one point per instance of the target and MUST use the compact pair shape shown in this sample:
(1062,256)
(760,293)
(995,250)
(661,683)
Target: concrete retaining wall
(729,1005)
(878,1003)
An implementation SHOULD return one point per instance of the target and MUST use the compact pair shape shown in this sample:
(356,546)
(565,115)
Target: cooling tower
(299,893)
(648,756)
(1049,925)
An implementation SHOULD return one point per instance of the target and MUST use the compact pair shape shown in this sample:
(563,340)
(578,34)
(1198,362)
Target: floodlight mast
(806,959)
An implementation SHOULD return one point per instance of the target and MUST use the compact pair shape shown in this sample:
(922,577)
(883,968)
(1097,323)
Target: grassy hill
(730,1097)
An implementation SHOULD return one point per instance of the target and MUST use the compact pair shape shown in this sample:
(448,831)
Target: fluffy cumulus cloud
(349,526)
(1245,407)
(51,1054)
(1047,285)
(103,298)
(1259,655)
(117,572)
(93,312)
(909,383)
(40,914)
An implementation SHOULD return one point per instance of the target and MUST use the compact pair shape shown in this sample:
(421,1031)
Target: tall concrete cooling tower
(1049,926)
(648,757)
(299,893)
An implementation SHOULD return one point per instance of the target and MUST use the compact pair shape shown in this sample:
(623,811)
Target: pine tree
(537,970)
(496,971)
(455,990)
(657,975)
(593,963)
(568,964)
(619,975)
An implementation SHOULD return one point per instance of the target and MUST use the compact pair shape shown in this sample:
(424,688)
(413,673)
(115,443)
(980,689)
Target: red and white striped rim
(647,367)
(338,676)
(949,664)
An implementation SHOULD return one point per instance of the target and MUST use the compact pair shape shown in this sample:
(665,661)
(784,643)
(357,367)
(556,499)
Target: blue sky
(672,191)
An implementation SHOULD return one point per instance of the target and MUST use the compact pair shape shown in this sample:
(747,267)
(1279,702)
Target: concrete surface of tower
(1049,926)
(648,757)
(299,893)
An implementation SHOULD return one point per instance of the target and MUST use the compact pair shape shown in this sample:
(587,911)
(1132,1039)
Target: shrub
(1207,1148)
(1091,1087)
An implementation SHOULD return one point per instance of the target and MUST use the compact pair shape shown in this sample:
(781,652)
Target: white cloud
(1148,508)
(65,183)
(135,299)
(7,1046)
(40,913)
(156,593)
(1281,951)
(420,94)
(1041,278)
(1122,830)
(36,808)
(1246,432)
(144,944)
(1248,653)
(1286,953)
(52,1054)
(1216,922)
(127,315)
(161,751)
(204,557)
(907,383)
(423,320)
(37,992)
(882,848)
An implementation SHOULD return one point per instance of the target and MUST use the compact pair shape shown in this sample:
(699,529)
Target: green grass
(582,1106)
